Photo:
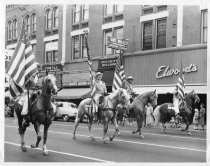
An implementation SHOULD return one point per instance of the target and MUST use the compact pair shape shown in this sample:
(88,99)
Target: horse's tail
(157,116)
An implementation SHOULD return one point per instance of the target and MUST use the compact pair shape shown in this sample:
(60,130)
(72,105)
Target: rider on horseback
(99,90)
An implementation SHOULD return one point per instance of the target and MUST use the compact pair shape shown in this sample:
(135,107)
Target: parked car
(65,111)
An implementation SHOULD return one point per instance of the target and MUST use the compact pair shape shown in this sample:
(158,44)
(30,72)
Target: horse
(41,112)
(86,107)
(164,112)
(138,107)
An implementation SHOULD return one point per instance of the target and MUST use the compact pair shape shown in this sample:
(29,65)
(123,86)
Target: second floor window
(76,14)
(76,54)
(15,29)
(48,19)
(108,33)
(55,17)
(161,34)
(119,8)
(204,26)
(85,12)
(84,47)
(147,36)
(27,18)
(9,30)
(33,19)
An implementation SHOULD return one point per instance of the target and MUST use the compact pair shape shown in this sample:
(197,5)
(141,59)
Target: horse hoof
(105,142)
(189,133)
(45,153)
(133,132)
(24,149)
(141,136)
(33,146)
(111,138)
(74,138)
(92,138)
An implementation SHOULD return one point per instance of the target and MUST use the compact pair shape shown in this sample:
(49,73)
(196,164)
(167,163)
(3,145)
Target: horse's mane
(113,94)
(144,94)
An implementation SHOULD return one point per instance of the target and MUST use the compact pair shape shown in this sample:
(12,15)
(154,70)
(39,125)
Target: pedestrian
(195,119)
(202,116)
(149,115)
(98,92)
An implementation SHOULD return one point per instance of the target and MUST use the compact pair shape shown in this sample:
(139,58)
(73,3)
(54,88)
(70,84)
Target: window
(55,56)
(108,51)
(48,19)
(34,49)
(147,36)
(27,18)
(48,57)
(85,12)
(84,46)
(15,29)
(119,8)
(9,30)
(118,34)
(109,10)
(55,18)
(76,47)
(161,34)
(51,51)
(33,19)
(76,14)
(204,26)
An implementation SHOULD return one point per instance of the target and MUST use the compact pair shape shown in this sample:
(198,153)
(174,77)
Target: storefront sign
(106,64)
(165,71)
(52,67)
(118,44)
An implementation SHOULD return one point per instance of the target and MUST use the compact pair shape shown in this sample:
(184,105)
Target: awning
(170,89)
(73,93)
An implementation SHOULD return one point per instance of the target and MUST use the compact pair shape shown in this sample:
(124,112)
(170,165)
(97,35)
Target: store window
(147,35)
(85,12)
(15,28)
(33,19)
(161,34)
(27,19)
(51,51)
(109,10)
(76,47)
(204,26)
(55,17)
(48,19)
(76,14)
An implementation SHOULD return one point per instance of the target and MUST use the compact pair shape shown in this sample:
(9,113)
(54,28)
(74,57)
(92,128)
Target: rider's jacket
(99,88)
(128,87)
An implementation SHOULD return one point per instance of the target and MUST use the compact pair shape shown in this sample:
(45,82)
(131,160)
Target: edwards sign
(165,71)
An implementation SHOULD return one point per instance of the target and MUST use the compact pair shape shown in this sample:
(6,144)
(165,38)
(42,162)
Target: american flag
(23,65)
(181,85)
(119,75)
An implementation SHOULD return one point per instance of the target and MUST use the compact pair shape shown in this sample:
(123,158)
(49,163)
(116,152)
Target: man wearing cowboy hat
(128,85)
(99,89)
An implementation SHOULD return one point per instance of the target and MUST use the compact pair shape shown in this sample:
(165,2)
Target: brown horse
(139,104)
(41,112)
(164,112)
(111,101)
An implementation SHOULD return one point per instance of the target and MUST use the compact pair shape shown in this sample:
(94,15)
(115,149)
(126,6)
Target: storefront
(159,69)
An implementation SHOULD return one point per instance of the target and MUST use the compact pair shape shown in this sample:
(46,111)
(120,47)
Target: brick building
(57,36)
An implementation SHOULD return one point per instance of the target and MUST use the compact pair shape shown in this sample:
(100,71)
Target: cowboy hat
(130,78)
(98,73)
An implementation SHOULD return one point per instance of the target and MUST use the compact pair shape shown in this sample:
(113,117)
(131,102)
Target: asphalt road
(174,146)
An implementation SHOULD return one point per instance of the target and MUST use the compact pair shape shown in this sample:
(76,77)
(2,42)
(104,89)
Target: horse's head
(193,97)
(49,84)
(123,96)
(152,98)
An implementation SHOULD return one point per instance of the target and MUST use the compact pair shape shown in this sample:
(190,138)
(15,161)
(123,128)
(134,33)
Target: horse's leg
(140,125)
(90,122)
(187,125)
(137,120)
(106,121)
(163,127)
(77,121)
(37,129)
(46,127)
(117,132)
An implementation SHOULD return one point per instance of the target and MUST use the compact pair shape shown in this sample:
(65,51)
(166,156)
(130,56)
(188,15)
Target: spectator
(195,119)
(149,115)
(202,116)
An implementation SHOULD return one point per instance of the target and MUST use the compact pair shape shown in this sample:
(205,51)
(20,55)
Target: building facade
(159,38)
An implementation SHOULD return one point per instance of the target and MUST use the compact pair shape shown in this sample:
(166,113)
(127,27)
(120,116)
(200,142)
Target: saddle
(101,101)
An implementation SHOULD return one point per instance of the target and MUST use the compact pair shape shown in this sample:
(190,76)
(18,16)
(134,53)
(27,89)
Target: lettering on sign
(165,71)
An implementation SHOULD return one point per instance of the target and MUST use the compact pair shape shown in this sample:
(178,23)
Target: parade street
(174,146)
